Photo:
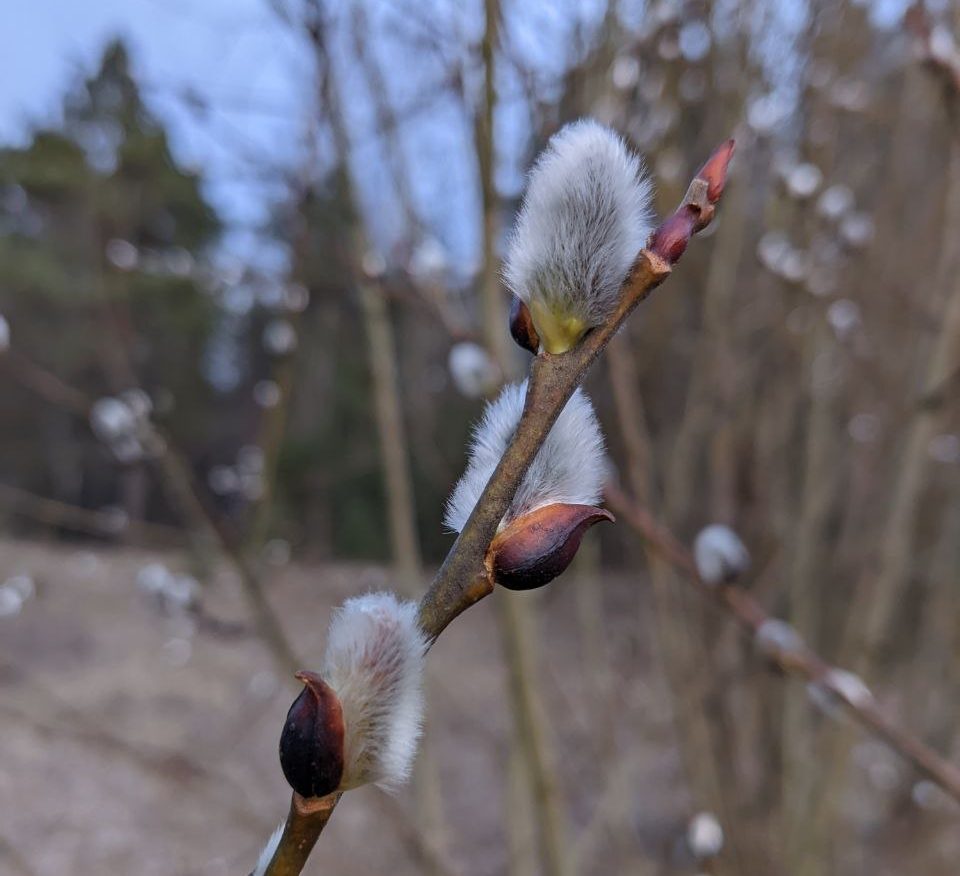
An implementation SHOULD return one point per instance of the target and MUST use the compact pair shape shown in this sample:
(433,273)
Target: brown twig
(305,823)
(796,658)
(54,513)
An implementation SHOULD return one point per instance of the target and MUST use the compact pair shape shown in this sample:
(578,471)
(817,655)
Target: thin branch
(796,658)
(53,512)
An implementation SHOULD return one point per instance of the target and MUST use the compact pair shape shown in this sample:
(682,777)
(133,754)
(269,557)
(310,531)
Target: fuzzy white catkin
(705,835)
(719,554)
(268,852)
(585,216)
(374,662)
(474,373)
(570,467)
(112,419)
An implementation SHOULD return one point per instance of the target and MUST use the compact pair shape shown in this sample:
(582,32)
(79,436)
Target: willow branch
(796,658)
(463,579)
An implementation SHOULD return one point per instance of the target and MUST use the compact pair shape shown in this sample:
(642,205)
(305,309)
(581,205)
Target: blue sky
(256,77)
(233,53)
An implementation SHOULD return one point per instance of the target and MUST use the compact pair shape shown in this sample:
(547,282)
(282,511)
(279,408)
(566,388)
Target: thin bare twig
(795,659)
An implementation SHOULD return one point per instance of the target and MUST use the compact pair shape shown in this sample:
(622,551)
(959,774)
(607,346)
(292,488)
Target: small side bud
(311,745)
(536,548)
(720,556)
(522,328)
(670,240)
(704,836)
(5,334)
(714,171)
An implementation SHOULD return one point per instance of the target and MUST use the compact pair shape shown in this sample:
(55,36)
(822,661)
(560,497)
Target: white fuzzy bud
(474,373)
(429,259)
(122,254)
(835,202)
(704,835)
(775,638)
(585,216)
(266,393)
(374,663)
(803,180)
(720,555)
(569,468)
(836,688)
(112,420)
(173,593)
(856,229)
(279,337)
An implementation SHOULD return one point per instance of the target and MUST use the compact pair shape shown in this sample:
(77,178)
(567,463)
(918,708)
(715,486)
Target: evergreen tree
(103,243)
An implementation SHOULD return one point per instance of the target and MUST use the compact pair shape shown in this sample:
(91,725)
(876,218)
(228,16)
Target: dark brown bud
(311,745)
(538,546)
(670,240)
(521,326)
(714,172)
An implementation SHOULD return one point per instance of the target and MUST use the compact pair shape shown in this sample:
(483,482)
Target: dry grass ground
(137,742)
(134,742)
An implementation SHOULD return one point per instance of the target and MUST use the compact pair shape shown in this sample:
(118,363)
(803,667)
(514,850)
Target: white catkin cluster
(569,468)
(268,852)
(374,662)
(585,216)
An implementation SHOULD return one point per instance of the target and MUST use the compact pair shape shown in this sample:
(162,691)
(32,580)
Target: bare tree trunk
(684,664)
(518,637)
(897,544)
(492,299)
(401,510)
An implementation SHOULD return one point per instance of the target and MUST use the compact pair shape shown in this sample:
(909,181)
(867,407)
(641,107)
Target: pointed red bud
(311,745)
(535,548)
(670,240)
(521,326)
(714,172)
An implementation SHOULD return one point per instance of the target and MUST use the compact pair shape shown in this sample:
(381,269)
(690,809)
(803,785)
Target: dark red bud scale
(521,326)
(538,546)
(311,745)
